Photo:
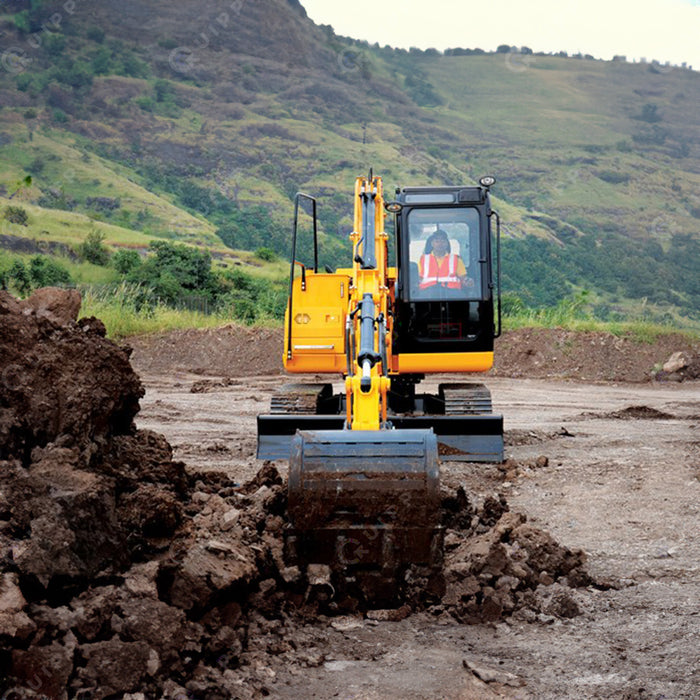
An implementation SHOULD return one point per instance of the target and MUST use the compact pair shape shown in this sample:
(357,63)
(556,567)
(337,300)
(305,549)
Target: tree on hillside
(649,113)
(174,271)
(93,249)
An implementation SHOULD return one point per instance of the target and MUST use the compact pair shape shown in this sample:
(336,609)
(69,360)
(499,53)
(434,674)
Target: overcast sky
(662,30)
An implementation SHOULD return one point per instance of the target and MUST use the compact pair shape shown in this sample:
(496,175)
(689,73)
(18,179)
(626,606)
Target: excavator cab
(446,310)
(363,477)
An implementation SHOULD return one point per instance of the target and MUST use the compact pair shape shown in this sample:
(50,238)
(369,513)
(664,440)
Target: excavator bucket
(365,499)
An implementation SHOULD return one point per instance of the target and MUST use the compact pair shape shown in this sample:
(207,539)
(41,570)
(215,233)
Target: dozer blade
(466,438)
(366,499)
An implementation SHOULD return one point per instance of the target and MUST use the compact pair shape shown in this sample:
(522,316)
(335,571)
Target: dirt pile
(239,351)
(496,564)
(122,572)
(119,572)
(229,351)
(589,355)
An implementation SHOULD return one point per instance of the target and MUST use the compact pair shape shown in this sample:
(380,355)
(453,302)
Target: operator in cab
(438,266)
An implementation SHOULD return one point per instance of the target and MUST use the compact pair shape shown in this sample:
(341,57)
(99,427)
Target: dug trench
(125,572)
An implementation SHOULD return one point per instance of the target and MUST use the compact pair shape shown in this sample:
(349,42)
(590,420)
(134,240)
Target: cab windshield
(444,253)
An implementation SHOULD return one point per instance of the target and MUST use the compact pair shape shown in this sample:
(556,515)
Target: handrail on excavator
(298,197)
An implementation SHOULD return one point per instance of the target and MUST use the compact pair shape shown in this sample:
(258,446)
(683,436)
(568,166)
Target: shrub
(168,43)
(59,116)
(145,103)
(174,271)
(134,67)
(614,177)
(93,249)
(162,90)
(512,304)
(37,165)
(14,275)
(23,81)
(266,254)
(16,215)
(250,299)
(649,113)
(101,61)
(54,44)
(22,22)
(46,272)
(20,277)
(124,261)
(96,34)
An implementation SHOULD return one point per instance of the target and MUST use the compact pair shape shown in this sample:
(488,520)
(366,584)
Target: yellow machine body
(318,333)
(320,307)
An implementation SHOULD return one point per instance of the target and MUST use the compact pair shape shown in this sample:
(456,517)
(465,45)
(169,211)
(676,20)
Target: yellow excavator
(363,462)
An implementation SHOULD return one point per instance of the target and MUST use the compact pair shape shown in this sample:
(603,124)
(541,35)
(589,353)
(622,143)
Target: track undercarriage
(460,414)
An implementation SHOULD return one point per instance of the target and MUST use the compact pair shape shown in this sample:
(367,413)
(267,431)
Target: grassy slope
(261,120)
(555,127)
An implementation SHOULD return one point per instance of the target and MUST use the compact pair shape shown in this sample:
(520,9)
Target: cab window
(444,254)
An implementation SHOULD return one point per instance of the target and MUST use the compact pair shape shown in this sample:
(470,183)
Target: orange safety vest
(441,272)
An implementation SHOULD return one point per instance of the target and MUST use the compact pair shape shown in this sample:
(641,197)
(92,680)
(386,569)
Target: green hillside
(164,121)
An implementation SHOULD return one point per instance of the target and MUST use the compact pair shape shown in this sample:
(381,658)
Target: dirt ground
(621,480)
(132,568)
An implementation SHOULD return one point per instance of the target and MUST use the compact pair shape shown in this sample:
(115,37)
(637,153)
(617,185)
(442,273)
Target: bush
(59,116)
(54,44)
(15,276)
(134,67)
(512,304)
(37,166)
(124,261)
(93,249)
(266,254)
(615,177)
(250,299)
(78,75)
(23,81)
(46,272)
(22,22)
(101,61)
(175,271)
(96,34)
(16,215)
(145,103)
(649,114)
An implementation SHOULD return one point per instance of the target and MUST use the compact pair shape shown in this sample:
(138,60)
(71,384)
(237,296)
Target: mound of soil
(236,351)
(124,573)
(585,356)
(229,351)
